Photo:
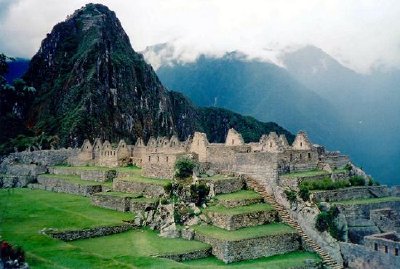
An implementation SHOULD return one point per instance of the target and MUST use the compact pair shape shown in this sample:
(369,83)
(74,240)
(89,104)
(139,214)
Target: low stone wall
(359,257)
(100,175)
(150,190)
(363,210)
(59,185)
(237,203)
(232,251)
(111,202)
(193,255)
(234,222)
(395,191)
(90,233)
(350,193)
(140,205)
(10,181)
(224,185)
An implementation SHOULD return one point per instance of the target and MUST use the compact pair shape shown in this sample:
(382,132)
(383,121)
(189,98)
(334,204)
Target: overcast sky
(360,34)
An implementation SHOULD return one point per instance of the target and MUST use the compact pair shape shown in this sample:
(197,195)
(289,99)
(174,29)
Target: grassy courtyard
(24,213)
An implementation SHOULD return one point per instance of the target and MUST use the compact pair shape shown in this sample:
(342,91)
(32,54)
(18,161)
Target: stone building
(272,154)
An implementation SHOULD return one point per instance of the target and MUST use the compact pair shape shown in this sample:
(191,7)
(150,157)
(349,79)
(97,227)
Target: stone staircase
(285,217)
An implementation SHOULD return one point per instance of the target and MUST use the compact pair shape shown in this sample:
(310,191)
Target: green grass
(142,242)
(240,210)
(84,168)
(309,173)
(244,233)
(77,180)
(146,180)
(368,201)
(239,195)
(24,212)
(289,260)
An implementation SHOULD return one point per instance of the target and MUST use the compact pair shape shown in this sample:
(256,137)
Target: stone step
(70,184)
(239,198)
(248,243)
(239,217)
(286,218)
(148,187)
(223,184)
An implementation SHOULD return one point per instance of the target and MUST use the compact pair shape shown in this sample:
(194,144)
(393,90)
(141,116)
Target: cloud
(360,34)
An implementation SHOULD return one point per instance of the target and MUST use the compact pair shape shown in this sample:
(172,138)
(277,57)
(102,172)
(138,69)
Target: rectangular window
(386,249)
(396,252)
(376,247)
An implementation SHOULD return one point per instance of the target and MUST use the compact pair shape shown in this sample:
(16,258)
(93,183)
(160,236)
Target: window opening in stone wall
(158,158)
(166,159)
(270,144)
(291,156)
(149,158)
(301,144)
(300,157)
(233,141)
(386,249)
(376,247)
(396,252)
(309,155)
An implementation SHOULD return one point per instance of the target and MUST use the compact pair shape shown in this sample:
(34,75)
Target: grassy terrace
(244,233)
(240,210)
(239,195)
(77,180)
(127,169)
(289,260)
(312,173)
(369,201)
(147,180)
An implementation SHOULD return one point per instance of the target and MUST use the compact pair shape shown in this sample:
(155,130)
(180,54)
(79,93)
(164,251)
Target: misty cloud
(360,34)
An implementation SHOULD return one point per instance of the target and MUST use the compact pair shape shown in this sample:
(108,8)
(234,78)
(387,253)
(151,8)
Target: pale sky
(360,34)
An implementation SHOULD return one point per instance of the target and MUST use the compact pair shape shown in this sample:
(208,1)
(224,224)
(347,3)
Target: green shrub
(291,195)
(168,188)
(184,168)
(304,193)
(325,184)
(357,181)
(110,175)
(372,182)
(198,193)
(348,167)
(325,221)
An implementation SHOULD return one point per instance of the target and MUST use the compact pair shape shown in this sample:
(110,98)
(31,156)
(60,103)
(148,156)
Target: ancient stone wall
(360,257)
(188,256)
(363,192)
(130,186)
(90,233)
(386,219)
(39,158)
(111,202)
(234,222)
(11,181)
(387,243)
(59,185)
(233,251)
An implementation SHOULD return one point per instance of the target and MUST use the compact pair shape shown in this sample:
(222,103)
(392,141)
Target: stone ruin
(272,153)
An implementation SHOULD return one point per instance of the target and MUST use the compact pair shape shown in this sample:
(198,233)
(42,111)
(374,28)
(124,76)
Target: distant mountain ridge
(90,83)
